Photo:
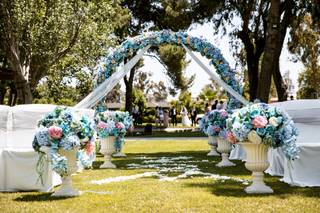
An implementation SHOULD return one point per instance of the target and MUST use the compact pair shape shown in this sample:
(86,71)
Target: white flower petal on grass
(124,178)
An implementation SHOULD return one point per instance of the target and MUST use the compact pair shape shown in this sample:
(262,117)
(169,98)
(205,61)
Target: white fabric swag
(103,89)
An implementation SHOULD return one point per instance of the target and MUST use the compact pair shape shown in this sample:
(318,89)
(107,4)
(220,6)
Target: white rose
(273,121)
(254,137)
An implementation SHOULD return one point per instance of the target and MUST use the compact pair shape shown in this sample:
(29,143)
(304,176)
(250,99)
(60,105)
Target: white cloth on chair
(304,171)
(18,160)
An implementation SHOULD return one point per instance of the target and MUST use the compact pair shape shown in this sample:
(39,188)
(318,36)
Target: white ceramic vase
(224,147)
(66,189)
(213,146)
(107,148)
(257,162)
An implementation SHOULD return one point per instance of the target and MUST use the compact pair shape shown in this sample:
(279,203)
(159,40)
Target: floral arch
(142,42)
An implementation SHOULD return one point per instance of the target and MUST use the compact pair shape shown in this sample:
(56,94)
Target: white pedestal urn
(213,146)
(257,162)
(107,148)
(224,147)
(66,189)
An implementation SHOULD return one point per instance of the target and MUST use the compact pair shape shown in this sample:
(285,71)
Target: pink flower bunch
(102,125)
(260,121)
(119,125)
(55,132)
(223,113)
(230,137)
(90,148)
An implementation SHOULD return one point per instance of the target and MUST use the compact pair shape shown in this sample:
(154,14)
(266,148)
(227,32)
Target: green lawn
(194,194)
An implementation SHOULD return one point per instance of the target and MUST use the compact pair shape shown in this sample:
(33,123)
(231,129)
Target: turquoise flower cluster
(113,123)
(64,129)
(264,123)
(132,45)
(214,123)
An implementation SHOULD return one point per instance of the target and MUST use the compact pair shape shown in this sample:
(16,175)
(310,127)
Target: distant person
(161,116)
(291,97)
(193,116)
(173,116)
(135,115)
(219,105)
(207,108)
(185,118)
(165,118)
(157,115)
(214,105)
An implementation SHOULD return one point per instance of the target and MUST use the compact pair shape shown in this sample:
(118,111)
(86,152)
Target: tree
(158,91)
(37,35)
(139,99)
(305,45)
(114,96)
(174,57)
(142,80)
(67,88)
(264,24)
(185,99)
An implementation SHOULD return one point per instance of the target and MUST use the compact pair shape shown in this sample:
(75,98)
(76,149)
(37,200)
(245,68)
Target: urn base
(107,165)
(258,186)
(225,162)
(119,155)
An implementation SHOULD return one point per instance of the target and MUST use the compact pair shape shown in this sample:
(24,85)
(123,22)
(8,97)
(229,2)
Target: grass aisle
(149,194)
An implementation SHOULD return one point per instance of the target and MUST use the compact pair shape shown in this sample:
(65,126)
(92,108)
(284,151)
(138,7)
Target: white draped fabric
(103,89)
(18,160)
(217,79)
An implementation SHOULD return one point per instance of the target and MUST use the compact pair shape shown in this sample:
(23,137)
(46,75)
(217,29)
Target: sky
(206,31)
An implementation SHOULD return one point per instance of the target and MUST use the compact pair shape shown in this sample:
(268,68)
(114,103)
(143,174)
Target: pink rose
(119,125)
(216,129)
(90,148)
(224,114)
(102,125)
(260,121)
(55,132)
(230,137)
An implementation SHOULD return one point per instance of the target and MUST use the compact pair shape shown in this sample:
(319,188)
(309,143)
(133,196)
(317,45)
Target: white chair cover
(18,160)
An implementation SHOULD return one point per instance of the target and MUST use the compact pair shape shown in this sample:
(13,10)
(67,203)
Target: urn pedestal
(66,189)
(257,162)
(213,146)
(224,147)
(107,148)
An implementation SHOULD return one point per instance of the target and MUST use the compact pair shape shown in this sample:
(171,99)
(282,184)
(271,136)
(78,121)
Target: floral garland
(64,129)
(214,123)
(264,123)
(130,46)
(113,123)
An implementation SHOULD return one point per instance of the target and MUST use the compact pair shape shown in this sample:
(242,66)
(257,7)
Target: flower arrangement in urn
(114,123)
(217,122)
(258,127)
(64,129)
(262,123)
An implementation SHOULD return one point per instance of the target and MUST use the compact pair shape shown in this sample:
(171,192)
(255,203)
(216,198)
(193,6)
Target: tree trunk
(280,86)
(129,90)
(24,94)
(275,38)
(3,91)
(253,70)
(270,62)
